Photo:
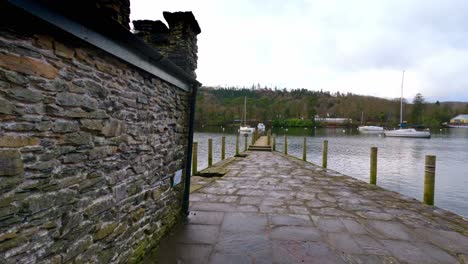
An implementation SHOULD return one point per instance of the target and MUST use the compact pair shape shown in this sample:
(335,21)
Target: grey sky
(358,46)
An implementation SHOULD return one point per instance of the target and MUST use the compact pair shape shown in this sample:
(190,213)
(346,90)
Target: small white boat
(261,127)
(246,130)
(370,129)
(407,132)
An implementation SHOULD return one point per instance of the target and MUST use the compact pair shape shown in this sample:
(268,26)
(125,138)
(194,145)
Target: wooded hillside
(297,107)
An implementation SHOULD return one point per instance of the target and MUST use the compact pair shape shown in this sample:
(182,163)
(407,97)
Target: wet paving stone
(291,220)
(205,218)
(270,208)
(244,222)
(203,234)
(295,233)
(303,252)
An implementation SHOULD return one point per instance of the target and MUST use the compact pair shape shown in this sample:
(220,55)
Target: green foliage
(417,109)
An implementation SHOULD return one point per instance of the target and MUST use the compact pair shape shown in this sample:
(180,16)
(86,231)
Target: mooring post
(245,142)
(194,158)
(373,166)
(325,153)
(274,142)
(304,150)
(268,137)
(254,136)
(210,152)
(285,144)
(429,179)
(223,148)
(237,145)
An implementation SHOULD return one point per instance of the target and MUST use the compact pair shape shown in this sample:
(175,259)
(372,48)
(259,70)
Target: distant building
(459,119)
(330,120)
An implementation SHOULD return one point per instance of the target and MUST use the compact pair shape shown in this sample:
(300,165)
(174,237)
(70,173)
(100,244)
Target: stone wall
(88,148)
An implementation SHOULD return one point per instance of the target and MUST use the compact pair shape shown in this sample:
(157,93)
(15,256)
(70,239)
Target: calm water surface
(400,160)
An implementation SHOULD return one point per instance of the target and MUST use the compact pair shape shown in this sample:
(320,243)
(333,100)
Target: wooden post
(210,152)
(268,137)
(195,158)
(285,144)
(429,180)
(325,154)
(274,142)
(254,136)
(223,148)
(245,143)
(373,166)
(237,145)
(304,150)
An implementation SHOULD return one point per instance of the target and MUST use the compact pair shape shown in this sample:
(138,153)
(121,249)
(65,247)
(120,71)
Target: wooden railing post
(210,152)
(373,166)
(268,137)
(304,150)
(429,180)
(223,148)
(285,144)
(325,154)
(237,145)
(274,142)
(194,158)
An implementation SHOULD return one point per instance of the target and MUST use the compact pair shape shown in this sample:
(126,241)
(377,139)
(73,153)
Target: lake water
(400,160)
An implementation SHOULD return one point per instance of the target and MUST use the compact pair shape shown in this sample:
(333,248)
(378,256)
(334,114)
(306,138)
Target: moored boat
(407,132)
(370,129)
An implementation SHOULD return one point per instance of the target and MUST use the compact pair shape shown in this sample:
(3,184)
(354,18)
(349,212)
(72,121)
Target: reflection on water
(400,160)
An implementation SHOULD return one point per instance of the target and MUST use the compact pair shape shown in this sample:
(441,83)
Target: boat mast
(401,99)
(245,110)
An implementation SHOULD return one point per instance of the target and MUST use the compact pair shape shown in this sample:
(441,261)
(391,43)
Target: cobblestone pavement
(271,208)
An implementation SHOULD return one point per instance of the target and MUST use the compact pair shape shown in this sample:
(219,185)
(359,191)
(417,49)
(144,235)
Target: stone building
(95,130)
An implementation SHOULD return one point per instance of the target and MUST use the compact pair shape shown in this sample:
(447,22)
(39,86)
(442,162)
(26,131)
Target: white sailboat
(244,128)
(406,132)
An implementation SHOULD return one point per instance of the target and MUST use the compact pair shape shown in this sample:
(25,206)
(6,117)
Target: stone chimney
(117,10)
(178,42)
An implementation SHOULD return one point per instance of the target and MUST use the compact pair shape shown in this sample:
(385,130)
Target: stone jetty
(273,208)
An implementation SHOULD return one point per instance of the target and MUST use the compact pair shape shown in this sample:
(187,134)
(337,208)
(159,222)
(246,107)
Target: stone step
(259,148)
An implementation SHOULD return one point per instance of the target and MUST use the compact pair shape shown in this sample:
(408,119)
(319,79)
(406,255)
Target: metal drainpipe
(188,167)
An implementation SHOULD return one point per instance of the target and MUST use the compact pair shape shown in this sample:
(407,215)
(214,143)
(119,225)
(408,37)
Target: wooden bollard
(223,148)
(274,142)
(373,166)
(304,150)
(210,152)
(429,180)
(237,145)
(194,158)
(254,135)
(285,144)
(268,137)
(325,154)
(245,143)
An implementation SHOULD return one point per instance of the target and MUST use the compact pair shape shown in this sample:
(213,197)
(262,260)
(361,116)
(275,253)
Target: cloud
(348,46)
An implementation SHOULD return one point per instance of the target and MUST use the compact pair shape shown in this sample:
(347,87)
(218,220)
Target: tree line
(298,107)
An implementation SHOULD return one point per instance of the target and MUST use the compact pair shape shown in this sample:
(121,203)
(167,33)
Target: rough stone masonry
(89,145)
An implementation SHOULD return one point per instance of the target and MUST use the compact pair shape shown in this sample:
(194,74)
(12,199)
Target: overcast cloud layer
(348,46)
